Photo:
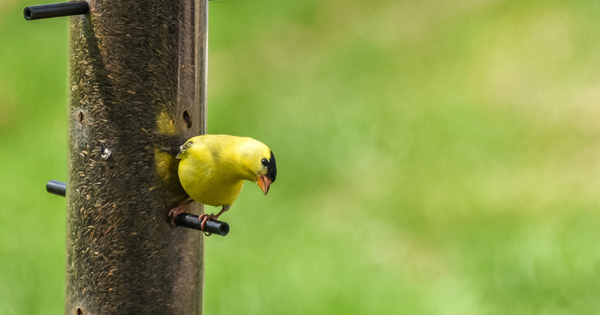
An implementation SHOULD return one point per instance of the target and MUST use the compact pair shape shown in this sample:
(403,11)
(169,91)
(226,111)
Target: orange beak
(264,182)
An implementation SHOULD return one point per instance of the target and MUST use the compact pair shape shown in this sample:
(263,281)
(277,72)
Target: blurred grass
(435,158)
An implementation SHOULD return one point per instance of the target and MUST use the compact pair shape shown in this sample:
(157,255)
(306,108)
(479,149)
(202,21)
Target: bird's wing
(183,148)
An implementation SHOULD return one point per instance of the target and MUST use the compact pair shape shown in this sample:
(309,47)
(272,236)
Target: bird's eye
(265,162)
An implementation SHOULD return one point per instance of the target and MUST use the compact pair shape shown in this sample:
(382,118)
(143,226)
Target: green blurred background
(435,157)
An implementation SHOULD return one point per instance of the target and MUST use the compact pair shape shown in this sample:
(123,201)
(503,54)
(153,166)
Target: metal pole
(137,77)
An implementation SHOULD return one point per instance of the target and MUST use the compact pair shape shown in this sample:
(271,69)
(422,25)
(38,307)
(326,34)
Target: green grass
(434,158)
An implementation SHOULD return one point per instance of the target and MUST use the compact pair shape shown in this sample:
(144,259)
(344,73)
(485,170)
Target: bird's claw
(204,218)
(174,213)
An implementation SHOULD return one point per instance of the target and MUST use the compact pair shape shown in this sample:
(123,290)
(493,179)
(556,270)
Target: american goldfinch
(212,170)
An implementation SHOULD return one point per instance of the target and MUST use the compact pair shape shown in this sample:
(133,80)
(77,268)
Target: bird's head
(263,166)
(268,173)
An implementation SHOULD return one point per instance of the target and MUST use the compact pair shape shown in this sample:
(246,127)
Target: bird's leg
(225,208)
(206,217)
(179,209)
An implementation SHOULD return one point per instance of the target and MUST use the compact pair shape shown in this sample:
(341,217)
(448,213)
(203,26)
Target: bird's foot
(176,211)
(204,218)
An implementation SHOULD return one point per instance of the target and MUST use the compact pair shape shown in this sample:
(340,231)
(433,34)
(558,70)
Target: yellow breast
(208,172)
(202,182)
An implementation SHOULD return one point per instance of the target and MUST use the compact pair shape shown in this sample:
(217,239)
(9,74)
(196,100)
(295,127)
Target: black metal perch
(45,11)
(212,226)
(187,220)
(56,188)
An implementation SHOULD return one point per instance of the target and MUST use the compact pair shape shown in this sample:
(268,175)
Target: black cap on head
(272,168)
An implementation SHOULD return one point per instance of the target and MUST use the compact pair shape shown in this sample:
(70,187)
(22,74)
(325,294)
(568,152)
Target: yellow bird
(213,168)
